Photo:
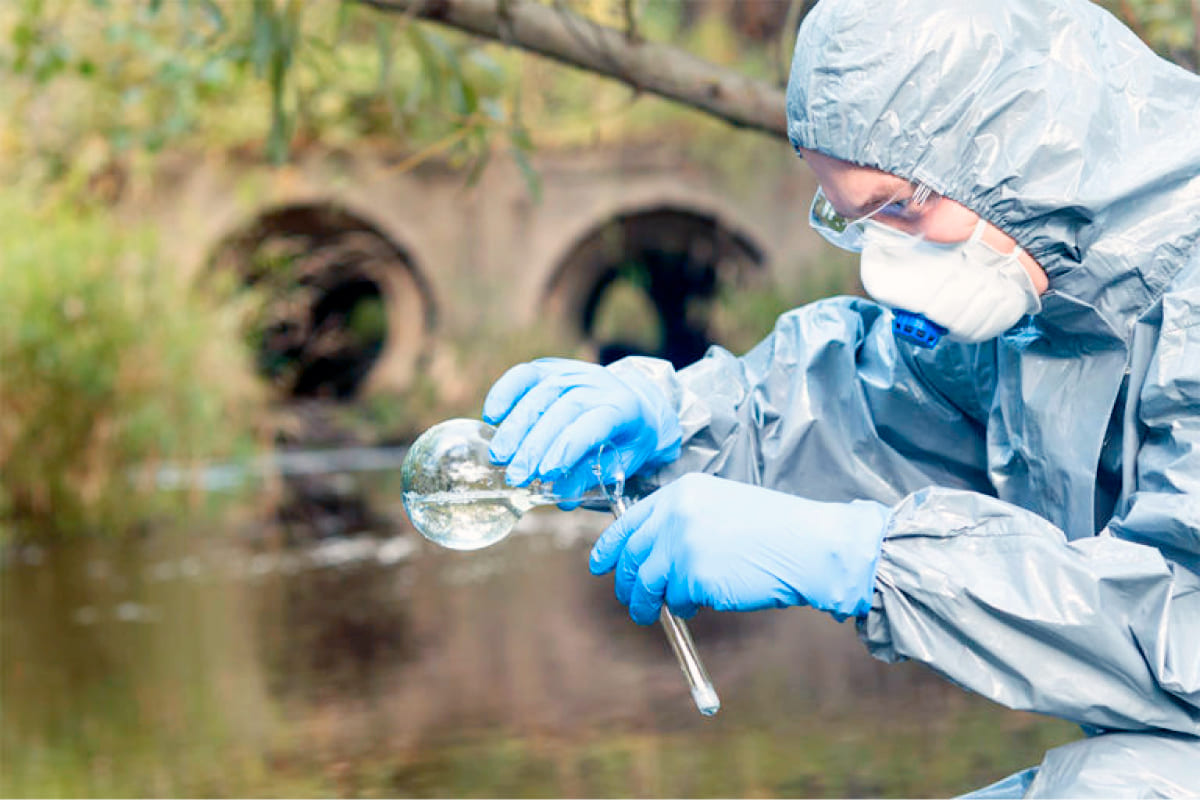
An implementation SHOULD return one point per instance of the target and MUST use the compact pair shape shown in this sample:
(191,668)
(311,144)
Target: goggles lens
(833,227)
(848,233)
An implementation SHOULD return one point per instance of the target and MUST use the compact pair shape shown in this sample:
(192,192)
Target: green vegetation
(98,83)
(103,82)
(284,73)
(112,365)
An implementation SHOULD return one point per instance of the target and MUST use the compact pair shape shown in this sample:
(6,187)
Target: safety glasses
(848,233)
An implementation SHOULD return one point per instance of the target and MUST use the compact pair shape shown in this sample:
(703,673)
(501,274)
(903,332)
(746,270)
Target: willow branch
(572,39)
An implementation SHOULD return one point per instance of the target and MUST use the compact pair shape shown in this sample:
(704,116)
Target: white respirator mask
(967,287)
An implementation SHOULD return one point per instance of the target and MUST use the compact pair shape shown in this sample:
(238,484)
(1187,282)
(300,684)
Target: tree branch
(646,66)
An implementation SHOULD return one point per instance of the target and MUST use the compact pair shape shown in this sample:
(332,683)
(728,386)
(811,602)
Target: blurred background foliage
(112,365)
(278,74)
(284,73)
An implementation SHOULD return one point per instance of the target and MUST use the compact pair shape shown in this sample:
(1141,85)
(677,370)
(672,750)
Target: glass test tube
(703,693)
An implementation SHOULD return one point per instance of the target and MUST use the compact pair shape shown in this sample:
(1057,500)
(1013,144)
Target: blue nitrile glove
(553,414)
(708,541)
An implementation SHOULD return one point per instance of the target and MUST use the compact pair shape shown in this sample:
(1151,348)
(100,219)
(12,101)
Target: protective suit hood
(1019,110)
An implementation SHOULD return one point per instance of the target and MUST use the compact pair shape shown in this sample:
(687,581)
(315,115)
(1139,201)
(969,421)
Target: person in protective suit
(1015,506)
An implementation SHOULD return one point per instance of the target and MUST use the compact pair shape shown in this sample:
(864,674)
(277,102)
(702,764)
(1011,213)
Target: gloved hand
(708,541)
(554,413)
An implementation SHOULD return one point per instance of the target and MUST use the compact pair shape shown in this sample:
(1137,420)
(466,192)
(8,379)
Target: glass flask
(457,498)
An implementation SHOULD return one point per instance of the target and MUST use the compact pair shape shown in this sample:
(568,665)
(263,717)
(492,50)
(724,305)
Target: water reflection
(215,662)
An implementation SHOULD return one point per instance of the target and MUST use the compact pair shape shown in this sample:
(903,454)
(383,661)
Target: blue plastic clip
(916,329)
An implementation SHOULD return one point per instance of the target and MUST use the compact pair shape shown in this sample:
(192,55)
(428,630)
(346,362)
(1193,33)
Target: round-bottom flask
(454,494)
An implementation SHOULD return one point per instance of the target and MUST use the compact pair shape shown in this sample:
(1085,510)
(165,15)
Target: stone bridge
(336,232)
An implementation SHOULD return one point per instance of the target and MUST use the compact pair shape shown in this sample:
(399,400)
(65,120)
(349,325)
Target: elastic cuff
(873,541)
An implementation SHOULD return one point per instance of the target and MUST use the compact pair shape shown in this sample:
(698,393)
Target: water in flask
(454,494)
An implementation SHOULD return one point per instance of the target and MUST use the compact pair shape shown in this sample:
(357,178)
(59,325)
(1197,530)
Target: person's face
(856,191)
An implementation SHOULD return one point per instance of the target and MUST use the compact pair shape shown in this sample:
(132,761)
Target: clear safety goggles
(848,233)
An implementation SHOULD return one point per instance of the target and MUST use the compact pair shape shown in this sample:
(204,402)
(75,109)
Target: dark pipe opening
(323,322)
(644,283)
(348,326)
(673,284)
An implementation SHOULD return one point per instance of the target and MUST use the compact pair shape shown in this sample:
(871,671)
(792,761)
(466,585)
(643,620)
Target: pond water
(231,656)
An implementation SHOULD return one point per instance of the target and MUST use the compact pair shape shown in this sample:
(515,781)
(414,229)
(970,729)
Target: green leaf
(520,137)
(215,14)
(383,41)
(493,109)
(463,97)
(262,45)
(23,34)
(479,138)
(428,58)
(488,64)
(342,21)
(173,71)
(120,138)
(533,181)
(442,47)
(213,74)
(154,139)
(116,32)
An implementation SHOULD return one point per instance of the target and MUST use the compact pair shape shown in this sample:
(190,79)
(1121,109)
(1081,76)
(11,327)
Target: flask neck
(544,494)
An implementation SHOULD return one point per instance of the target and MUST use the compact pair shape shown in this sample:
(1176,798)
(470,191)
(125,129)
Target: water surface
(234,657)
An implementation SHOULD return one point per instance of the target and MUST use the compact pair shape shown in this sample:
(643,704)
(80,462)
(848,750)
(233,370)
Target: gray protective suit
(1043,545)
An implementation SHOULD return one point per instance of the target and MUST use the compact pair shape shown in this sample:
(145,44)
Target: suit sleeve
(829,408)
(1103,630)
